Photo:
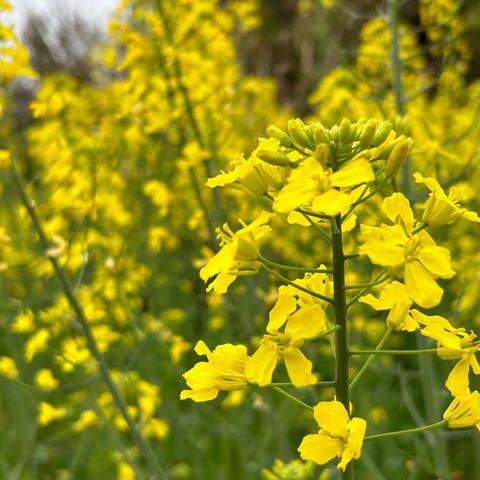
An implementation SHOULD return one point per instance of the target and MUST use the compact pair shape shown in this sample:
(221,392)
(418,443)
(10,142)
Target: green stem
(419,228)
(292,268)
(351,256)
(364,285)
(393,352)
(371,358)
(324,234)
(293,398)
(380,278)
(340,312)
(408,431)
(324,334)
(322,383)
(120,403)
(299,287)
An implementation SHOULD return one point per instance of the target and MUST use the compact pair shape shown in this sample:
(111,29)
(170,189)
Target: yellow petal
(285,305)
(353,173)
(421,287)
(307,322)
(457,381)
(332,417)
(262,363)
(203,395)
(320,448)
(383,253)
(436,260)
(356,429)
(332,202)
(299,367)
(398,210)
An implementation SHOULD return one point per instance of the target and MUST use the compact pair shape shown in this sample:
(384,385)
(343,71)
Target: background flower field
(107,142)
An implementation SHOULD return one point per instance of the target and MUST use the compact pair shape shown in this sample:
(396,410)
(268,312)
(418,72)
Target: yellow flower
(339,436)
(224,370)
(48,413)
(464,411)
(395,299)
(453,344)
(303,317)
(45,379)
(314,186)
(8,367)
(441,208)
(253,175)
(238,255)
(413,256)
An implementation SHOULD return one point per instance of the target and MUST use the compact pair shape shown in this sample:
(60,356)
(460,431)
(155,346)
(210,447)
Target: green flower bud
(367,134)
(321,154)
(274,158)
(345,131)
(382,133)
(296,129)
(397,156)
(320,135)
(280,135)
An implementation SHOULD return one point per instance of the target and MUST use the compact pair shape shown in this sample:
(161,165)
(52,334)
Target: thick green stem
(340,311)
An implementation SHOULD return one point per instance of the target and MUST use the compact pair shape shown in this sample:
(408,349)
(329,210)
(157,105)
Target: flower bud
(320,135)
(274,158)
(321,154)
(296,129)
(345,131)
(397,156)
(382,133)
(367,134)
(280,135)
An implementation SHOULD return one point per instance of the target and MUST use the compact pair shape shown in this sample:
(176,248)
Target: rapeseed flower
(413,256)
(238,255)
(223,370)
(339,436)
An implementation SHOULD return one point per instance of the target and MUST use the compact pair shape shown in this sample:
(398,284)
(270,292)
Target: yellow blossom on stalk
(255,176)
(315,186)
(464,411)
(238,255)
(48,413)
(412,256)
(8,367)
(440,208)
(303,317)
(223,370)
(453,344)
(45,379)
(339,436)
(395,299)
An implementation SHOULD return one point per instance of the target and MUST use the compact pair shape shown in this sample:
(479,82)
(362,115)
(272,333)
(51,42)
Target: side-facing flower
(301,317)
(452,344)
(395,299)
(440,208)
(412,256)
(339,436)
(464,411)
(238,255)
(223,370)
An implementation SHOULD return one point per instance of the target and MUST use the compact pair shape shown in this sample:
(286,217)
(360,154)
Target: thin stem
(419,228)
(424,351)
(324,234)
(364,285)
(322,383)
(314,214)
(293,268)
(120,403)
(297,286)
(293,398)
(380,278)
(371,358)
(408,431)
(351,256)
(325,333)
